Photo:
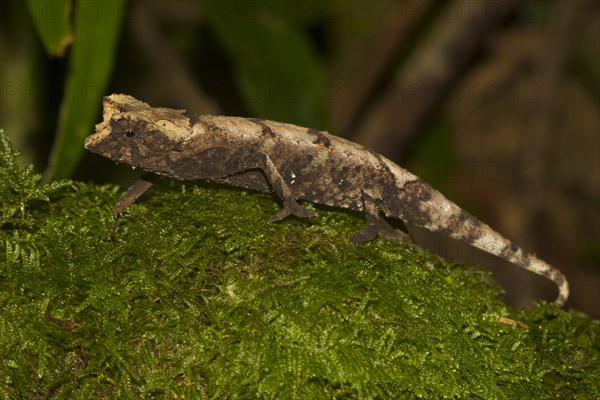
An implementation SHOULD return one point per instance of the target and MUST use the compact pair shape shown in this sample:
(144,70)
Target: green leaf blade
(52,20)
(97,27)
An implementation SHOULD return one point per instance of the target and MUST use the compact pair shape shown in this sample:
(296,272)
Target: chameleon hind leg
(376,225)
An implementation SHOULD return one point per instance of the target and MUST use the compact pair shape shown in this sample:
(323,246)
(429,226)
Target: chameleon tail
(438,214)
(494,243)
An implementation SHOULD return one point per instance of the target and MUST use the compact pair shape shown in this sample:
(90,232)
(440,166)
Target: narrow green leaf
(277,70)
(52,19)
(97,27)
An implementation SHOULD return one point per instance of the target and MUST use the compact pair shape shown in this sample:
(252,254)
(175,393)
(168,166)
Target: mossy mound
(192,294)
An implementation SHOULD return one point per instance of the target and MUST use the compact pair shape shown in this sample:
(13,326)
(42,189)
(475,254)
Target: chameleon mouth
(93,141)
(89,142)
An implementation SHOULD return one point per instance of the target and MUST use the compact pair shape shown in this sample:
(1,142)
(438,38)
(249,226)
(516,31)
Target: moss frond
(19,188)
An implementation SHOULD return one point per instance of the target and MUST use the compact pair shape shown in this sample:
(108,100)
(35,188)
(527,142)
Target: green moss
(194,295)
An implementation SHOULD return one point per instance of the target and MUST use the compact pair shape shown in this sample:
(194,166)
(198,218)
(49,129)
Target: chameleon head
(134,133)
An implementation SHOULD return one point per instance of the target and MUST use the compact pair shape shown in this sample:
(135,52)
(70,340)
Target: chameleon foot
(387,231)
(292,208)
(366,234)
(378,226)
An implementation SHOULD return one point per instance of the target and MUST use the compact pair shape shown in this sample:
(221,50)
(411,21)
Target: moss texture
(193,295)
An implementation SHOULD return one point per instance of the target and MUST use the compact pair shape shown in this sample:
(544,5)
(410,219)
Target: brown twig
(63,324)
(173,77)
(509,321)
(356,85)
(426,77)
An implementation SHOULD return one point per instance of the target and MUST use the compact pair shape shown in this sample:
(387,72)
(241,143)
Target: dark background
(495,103)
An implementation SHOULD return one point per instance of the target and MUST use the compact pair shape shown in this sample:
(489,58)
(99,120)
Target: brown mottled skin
(296,163)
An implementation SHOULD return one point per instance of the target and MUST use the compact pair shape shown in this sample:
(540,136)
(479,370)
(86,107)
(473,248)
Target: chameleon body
(297,164)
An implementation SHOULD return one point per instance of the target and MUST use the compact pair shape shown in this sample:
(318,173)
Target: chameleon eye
(126,132)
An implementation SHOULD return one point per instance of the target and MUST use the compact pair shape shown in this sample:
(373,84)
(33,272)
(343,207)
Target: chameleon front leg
(280,186)
(133,193)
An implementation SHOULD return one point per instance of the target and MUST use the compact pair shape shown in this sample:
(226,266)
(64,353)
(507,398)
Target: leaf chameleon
(297,164)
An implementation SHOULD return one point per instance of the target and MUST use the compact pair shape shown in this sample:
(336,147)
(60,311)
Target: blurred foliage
(53,23)
(23,85)
(277,70)
(193,294)
(433,153)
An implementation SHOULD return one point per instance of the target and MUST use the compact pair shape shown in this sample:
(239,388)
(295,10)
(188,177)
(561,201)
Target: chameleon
(296,163)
